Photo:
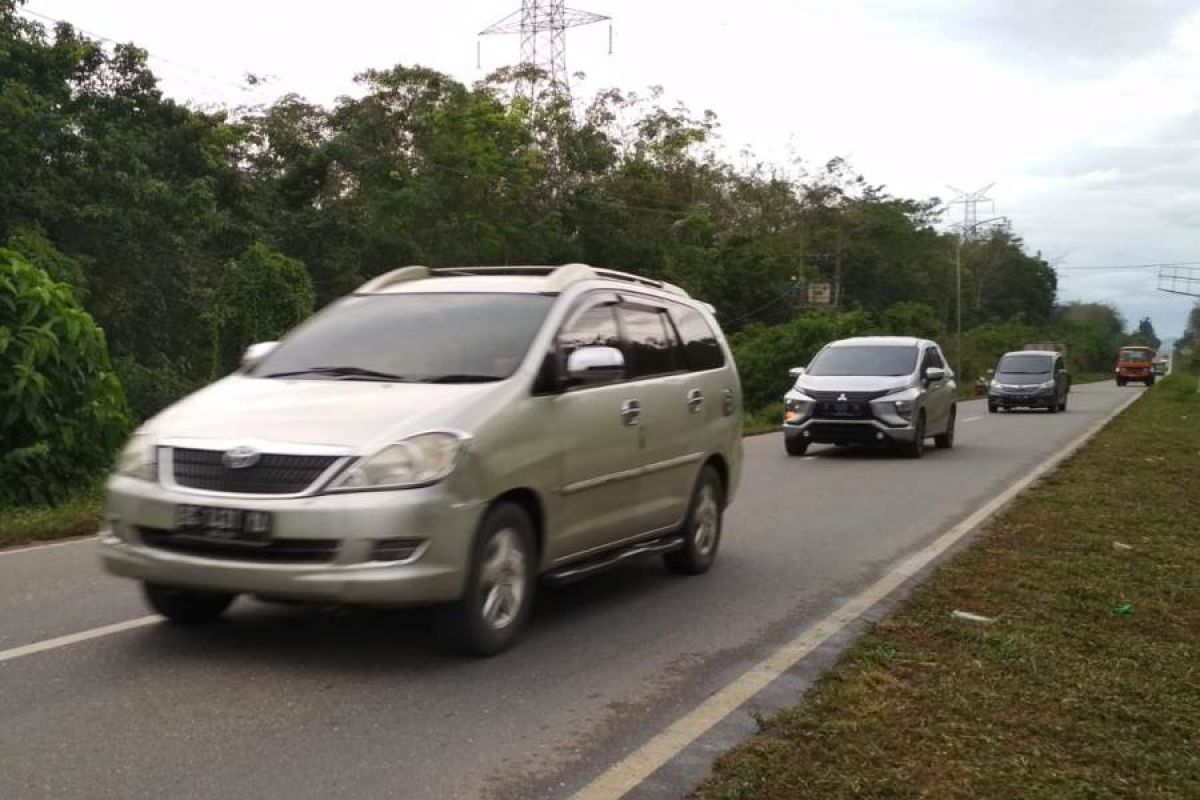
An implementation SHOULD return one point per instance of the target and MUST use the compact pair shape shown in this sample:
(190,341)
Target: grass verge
(1086,683)
(78,515)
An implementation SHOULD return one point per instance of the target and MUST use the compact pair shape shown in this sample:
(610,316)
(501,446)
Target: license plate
(223,524)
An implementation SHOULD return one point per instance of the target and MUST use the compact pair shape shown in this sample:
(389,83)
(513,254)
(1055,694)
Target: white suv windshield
(876,360)
(419,338)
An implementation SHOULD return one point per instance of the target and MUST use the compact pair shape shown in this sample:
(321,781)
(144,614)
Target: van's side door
(597,430)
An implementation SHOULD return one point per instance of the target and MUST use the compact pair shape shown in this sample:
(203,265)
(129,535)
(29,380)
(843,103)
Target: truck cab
(1135,363)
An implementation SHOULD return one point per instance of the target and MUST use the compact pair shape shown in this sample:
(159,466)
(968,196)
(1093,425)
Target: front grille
(834,432)
(275,473)
(844,405)
(279,551)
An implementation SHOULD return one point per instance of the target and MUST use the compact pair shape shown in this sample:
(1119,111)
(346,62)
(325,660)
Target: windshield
(1025,365)
(882,360)
(435,338)
(1135,354)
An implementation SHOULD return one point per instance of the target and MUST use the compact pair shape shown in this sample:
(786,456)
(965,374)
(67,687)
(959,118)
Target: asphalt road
(312,703)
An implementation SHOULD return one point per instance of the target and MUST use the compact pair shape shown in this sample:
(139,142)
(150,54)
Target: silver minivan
(440,437)
(882,390)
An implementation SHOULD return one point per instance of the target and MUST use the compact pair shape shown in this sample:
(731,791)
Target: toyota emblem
(240,457)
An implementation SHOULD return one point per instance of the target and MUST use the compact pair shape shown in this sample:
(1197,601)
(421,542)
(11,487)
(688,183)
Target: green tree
(62,411)
(262,295)
(1144,334)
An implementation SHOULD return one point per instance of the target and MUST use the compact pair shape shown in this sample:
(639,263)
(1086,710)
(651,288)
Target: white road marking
(629,772)
(808,458)
(47,545)
(972,419)
(75,638)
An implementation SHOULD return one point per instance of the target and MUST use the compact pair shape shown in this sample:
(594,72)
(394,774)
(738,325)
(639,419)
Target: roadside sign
(820,294)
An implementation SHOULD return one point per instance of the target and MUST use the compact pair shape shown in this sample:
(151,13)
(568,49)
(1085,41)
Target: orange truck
(1135,363)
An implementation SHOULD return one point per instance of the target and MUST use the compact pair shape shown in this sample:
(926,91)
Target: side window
(595,327)
(934,359)
(701,347)
(650,342)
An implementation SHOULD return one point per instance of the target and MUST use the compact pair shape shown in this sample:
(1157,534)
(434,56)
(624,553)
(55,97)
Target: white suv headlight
(896,409)
(417,461)
(138,459)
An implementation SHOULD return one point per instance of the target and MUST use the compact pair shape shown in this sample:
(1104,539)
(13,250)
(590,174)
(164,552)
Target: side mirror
(256,353)
(934,374)
(595,365)
(796,372)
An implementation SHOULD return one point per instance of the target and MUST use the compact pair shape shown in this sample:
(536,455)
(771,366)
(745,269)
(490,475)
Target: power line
(1153,265)
(163,59)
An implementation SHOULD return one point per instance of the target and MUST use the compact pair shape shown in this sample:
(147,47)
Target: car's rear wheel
(500,581)
(795,446)
(186,606)
(916,448)
(702,528)
(945,440)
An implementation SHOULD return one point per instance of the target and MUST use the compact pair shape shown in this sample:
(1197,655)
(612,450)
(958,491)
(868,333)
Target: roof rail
(380,282)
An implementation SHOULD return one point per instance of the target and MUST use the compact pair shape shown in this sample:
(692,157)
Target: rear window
(701,347)
(876,360)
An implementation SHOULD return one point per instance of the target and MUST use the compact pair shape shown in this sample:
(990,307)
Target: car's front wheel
(945,439)
(702,528)
(186,606)
(916,448)
(795,446)
(500,581)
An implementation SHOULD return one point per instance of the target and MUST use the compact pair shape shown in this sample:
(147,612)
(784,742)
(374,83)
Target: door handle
(631,412)
(730,405)
(695,401)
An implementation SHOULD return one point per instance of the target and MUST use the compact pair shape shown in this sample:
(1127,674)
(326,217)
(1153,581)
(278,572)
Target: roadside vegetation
(176,236)
(1083,685)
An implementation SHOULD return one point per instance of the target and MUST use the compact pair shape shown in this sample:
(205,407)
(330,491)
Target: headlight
(1046,384)
(138,459)
(995,384)
(797,407)
(418,461)
(896,409)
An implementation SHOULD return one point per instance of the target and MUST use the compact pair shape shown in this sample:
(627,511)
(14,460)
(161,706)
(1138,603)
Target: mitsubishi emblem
(841,398)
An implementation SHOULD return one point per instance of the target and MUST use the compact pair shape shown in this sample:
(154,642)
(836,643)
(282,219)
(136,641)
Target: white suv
(887,390)
(440,437)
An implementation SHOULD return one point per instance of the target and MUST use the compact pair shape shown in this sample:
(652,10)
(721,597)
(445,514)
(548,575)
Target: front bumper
(355,521)
(848,431)
(1034,398)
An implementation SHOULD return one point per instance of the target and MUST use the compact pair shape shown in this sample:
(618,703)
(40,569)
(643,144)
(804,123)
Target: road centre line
(628,773)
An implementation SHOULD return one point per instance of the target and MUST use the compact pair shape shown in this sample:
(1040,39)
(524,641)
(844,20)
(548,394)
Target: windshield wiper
(341,372)
(462,377)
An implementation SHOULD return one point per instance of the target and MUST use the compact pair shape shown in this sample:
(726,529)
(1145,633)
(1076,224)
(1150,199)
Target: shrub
(62,410)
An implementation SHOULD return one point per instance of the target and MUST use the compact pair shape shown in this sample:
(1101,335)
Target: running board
(585,569)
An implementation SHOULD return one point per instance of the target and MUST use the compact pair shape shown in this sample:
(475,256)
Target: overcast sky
(1085,113)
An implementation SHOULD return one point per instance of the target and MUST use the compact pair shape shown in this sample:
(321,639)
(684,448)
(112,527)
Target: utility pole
(970,224)
(542,26)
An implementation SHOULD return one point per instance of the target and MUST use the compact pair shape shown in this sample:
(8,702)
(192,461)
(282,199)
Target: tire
(1120,382)
(945,440)
(186,606)
(498,596)
(1063,405)
(916,448)
(795,446)
(701,528)
(1053,407)
(1150,381)
(993,408)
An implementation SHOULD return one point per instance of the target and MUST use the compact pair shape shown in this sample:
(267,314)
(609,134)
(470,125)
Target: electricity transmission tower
(968,229)
(542,26)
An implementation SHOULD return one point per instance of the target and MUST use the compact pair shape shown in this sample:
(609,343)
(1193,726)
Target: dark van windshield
(1026,365)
